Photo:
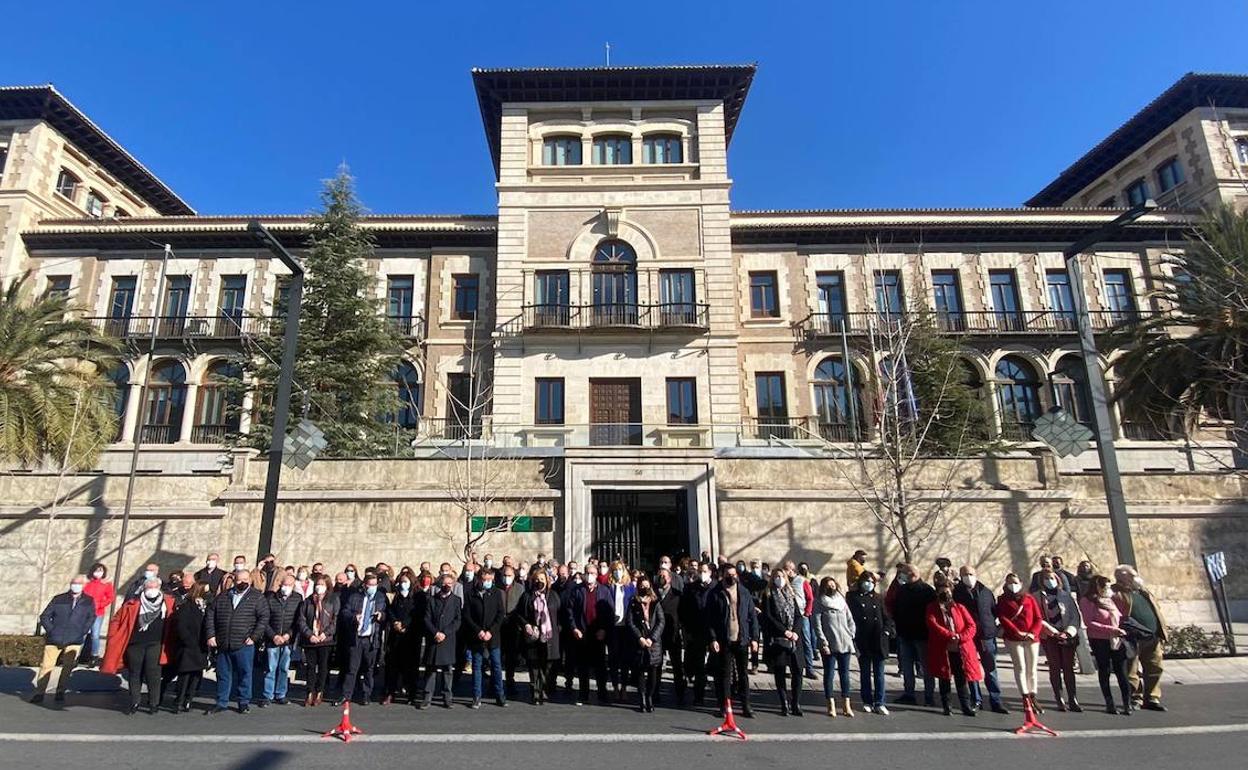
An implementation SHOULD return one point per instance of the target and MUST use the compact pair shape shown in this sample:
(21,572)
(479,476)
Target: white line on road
(438,738)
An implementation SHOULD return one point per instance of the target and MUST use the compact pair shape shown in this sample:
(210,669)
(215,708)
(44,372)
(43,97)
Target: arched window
(166,398)
(95,204)
(615,284)
(407,381)
(662,148)
(613,150)
(120,379)
(1018,391)
(561,151)
(217,413)
(835,411)
(67,184)
(1070,389)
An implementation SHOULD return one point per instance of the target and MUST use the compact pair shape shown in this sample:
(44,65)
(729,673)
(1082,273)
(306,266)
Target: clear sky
(245,107)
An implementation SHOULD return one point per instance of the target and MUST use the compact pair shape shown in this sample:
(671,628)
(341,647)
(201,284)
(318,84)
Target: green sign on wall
(518,524)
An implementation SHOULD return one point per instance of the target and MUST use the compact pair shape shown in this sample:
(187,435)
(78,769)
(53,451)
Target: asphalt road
(1206,723)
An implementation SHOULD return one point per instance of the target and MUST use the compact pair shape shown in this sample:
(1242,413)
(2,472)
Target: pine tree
(956,415)
(347,351)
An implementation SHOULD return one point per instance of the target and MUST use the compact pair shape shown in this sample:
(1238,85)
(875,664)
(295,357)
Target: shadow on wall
(817,559)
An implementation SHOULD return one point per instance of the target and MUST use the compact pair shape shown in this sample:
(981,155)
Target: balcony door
(615,411)
(551,292)
(773,407)
(121,305)
(615,284)
(233,297)
(676,292)
(176,303)
(1061,301)
(1005,303)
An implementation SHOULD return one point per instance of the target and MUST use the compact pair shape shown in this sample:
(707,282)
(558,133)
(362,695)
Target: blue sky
(245,107)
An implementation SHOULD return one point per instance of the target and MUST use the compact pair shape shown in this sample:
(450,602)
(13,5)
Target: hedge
(20,650)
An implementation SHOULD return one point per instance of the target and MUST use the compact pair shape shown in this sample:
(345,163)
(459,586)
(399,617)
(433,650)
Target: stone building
(665,374)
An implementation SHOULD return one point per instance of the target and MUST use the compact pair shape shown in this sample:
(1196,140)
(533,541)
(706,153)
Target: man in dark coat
(673,639)
(733,630)
(483,617)
(65,621)
(237,621)
(512,642)
(362,618)
(692,614)
(589,615)
(910,603)
(211,574)
(978,600)
(443,618)
(280,641)
(405,622)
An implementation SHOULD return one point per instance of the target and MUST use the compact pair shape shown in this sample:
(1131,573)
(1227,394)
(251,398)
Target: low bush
(20,650)
(1193,642)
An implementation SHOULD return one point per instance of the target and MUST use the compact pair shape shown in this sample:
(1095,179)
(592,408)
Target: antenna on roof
(608,54)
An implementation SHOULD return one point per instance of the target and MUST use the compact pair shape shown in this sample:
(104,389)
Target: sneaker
(244,709)
(281,701)
(867,707)
(1153,704)
(59,697)
(882,710)
(216,710)
(260,704)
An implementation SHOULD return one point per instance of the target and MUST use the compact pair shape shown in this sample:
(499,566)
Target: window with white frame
(613,150)
(95,204)
(561,151)
(662,148)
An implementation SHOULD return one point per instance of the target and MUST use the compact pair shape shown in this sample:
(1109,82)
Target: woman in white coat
(834,631)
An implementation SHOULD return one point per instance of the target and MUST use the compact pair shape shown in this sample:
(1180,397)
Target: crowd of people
(409,636)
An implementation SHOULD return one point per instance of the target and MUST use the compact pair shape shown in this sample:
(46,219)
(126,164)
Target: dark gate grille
(638,527)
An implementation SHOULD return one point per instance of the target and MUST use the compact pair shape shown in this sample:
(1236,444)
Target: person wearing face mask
(781,620)
(539,615)
(1060,624)
(645,622)
(803,586)
(137,636)
(621,645)
(872,631)
(692,612)
(834,633)
(910,604)
(443,618)
(673,637)
(188,652)
(588,616)
(211,573)
(733,629)
(978,600)
(362,616)
(406,629)
(303,581)
(1146,630)
(1046,563)
(353,578)
(483,617)
(236,623)
(102,593)
(1080,584)
(951,649)
(173,586)
(280,641)
(317,625)
(150,572)
(511,644)
(675,578)
(65,622)
(855,566)
(1103,620)
(1021,624)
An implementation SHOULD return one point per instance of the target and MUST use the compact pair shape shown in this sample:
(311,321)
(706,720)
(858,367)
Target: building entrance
(640,526)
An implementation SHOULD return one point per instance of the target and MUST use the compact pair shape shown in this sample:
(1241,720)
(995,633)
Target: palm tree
(1193,358)
(55,404)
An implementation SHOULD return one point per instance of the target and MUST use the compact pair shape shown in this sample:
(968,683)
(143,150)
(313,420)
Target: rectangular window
(1169,175)
(613,150)
(121,305)
(1061,301)
(830,288)
(463,407)
(676,293)
(889,298)
(4,156)
(764,300)
(1137,192)
(772,406)
(1119,298)
(281,298)
(174,306)
(58,286)
(947,293)
(562,151)
(551,294)
(549,401)
(662,148)
(1005,302)
(400,300)
(1241,149)
(466,294)
(67,184)
(231,304)
(682,401)
(95,204)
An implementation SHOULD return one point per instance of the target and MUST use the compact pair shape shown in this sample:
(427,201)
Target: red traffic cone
(1030,723)
(729,727)
(345,729)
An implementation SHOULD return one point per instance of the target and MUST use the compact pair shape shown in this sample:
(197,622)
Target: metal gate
(638,527)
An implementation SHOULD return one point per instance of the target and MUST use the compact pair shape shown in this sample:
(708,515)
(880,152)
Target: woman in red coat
(951,648)
(1021,621)
(141,632)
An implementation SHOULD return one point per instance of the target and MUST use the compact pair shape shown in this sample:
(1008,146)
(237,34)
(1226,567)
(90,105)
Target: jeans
(277,676)
(871,678)
(913,656)
(479,658)
(806,627)
(235,665)
(837,662)
(96,638)
(988,661)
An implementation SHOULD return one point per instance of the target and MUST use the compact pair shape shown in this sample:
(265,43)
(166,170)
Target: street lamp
(1105,449)
(281,408)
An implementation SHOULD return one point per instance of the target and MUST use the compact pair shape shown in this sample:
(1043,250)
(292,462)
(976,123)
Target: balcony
(988,323)
(181,327)
(409,328)
(664,316)
(160,434)
(212,434)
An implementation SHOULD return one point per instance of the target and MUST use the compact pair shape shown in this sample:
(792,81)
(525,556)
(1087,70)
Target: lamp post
(1105,449)
(281,408)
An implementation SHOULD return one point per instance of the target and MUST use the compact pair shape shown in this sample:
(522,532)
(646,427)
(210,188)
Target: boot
(796,708)
(1074,706)
(966,707)
(846,708)
(784,705)
(944,705)
(1109,706)
(832,707)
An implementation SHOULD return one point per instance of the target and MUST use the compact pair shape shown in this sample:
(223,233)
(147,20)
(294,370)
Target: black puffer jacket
(282,613)
(233,626)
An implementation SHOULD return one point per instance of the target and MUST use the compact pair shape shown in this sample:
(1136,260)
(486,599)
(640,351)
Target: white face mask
(98,574)
(524,573)
(489,563)
(404,587)
(706,578)
(968,581)
(211,564)
(240,566)
(149,574)
(350,574)
(665,565)
(1106,593)
(287,590)
(303,576)
(1050,584)
(320,590)
(868,586)
(152,593)
(1014,587)
(75,588)
(778,582)
(469,574)
(508,579)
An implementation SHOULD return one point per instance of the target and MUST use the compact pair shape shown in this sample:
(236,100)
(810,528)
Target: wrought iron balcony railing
(987,323)
(668,315)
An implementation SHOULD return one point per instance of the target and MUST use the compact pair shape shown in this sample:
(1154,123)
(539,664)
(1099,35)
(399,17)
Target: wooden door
(615,411)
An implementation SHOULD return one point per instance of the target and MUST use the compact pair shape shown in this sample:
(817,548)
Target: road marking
(439,738)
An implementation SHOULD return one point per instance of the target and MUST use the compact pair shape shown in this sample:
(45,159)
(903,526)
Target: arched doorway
(1018,394)
(166,400)
(840,420)
(217,413)
(615,284)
